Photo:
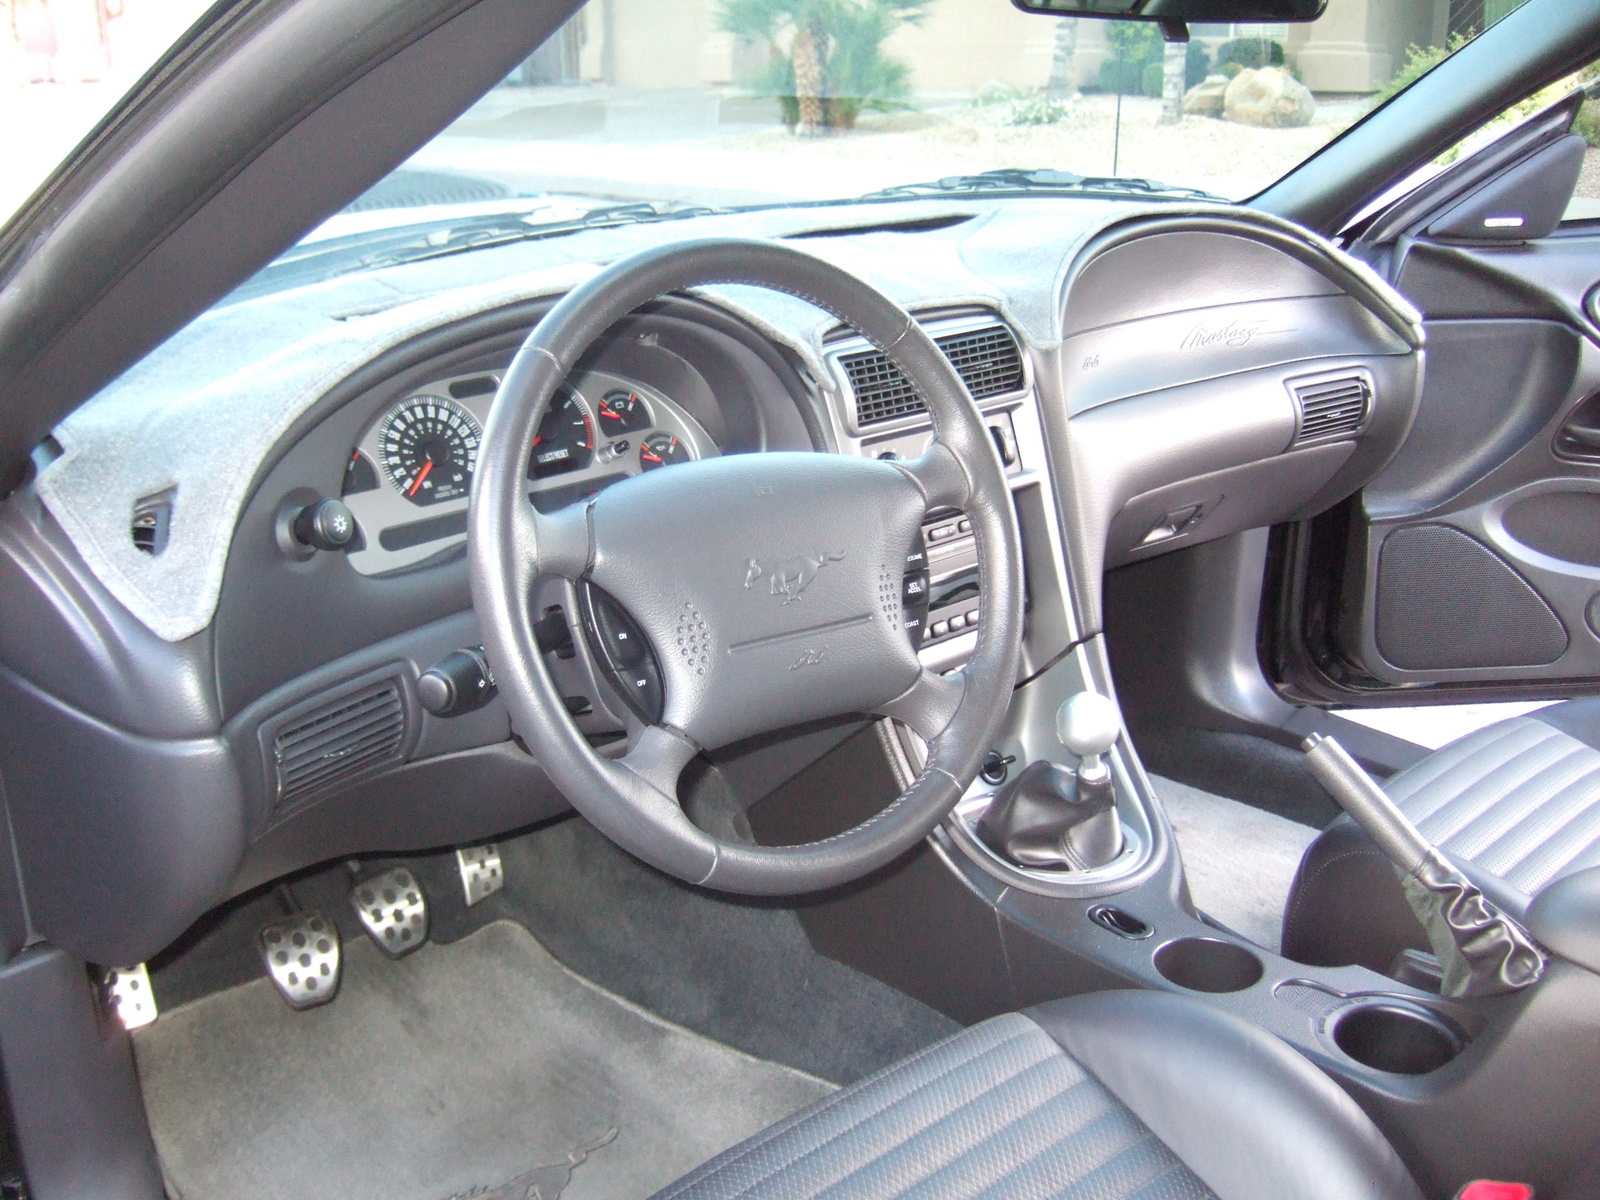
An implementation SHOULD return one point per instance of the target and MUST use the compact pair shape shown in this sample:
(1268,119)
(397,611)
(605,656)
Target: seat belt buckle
(1492,1189)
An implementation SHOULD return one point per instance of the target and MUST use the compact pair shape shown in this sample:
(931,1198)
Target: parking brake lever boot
(1052,818)
(1483,951)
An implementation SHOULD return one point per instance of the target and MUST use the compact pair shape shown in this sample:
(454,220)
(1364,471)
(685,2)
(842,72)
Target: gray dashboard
(1172,380)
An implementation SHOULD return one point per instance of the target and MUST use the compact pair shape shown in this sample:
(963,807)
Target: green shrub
(1230,69)
(1252,53)
(1037,109)
(1419,61)
(1587,123)
(1196,65)
(1153,78)
(995,92)
(1124,77)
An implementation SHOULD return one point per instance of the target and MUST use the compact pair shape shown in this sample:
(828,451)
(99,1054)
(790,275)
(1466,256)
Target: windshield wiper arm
(1013,179)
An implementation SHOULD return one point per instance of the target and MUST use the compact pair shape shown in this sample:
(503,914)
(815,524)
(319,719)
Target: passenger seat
(1515,805)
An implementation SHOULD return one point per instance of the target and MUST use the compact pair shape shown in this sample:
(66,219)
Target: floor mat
(1239,859)
(461,1068)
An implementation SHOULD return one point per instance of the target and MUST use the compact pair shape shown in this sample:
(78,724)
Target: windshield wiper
(1013,179)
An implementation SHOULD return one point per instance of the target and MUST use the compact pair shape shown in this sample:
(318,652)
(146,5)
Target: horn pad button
(769,587)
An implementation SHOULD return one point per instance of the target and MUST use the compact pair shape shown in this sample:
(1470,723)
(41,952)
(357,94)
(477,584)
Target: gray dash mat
(483,1066)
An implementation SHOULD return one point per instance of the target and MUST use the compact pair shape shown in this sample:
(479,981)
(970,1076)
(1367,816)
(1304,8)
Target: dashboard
(1151,378)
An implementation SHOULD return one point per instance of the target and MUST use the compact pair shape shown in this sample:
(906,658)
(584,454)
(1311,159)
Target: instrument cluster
(408,479)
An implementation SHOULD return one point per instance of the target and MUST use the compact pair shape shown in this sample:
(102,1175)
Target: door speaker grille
(334,743)
(988,360)
(1329,407)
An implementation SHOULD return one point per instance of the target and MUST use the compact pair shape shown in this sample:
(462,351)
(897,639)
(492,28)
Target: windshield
(723,103)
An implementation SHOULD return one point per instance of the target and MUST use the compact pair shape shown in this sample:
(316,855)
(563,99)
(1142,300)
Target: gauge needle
(651,457)
(421,475)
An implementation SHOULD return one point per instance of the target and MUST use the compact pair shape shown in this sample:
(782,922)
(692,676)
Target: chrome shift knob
(1088,725)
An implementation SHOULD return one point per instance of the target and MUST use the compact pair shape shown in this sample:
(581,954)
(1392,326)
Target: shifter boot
(1047,817)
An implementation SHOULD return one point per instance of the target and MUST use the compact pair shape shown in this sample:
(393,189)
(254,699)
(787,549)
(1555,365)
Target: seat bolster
(1578,719)
(1247,1114)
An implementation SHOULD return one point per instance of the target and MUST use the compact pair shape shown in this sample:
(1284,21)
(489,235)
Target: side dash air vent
(151,520)
(1330,407)
(987,359)
(338,741)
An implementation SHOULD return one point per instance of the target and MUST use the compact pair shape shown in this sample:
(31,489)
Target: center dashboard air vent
(316,750)
(1330,406)
(988,360)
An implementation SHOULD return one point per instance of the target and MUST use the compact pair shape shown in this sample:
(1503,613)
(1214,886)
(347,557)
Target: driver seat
(1107,1096)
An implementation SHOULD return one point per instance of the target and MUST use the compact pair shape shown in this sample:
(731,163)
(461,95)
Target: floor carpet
(481,1067)
(1240,860)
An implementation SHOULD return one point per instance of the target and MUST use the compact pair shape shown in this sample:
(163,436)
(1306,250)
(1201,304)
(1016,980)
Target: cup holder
(1399,1039)
(1208,965)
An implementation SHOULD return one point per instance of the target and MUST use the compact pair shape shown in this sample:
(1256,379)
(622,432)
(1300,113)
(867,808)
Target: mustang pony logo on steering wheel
(790,576)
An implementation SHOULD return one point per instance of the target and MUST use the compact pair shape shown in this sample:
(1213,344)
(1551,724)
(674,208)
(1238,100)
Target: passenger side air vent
(988,360)
(151,520)
(337,741)
(1330,406)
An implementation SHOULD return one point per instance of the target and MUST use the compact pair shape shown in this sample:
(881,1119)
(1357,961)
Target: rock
(1270,97)
(1204,99)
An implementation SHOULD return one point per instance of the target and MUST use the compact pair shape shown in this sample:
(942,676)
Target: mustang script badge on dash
(790,576)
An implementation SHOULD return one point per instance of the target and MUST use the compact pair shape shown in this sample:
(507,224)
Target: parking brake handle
(1483,951)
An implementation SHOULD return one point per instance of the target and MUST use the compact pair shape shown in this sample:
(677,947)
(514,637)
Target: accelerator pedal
(482,874)
(302,956)
(393,910)
(127,991)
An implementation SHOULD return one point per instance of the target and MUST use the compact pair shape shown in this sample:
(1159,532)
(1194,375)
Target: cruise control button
(914,588)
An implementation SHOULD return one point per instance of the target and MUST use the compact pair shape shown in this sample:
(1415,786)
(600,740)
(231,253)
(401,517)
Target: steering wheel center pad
(768,585)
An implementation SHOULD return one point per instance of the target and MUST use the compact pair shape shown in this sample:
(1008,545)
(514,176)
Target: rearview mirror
(1180,11)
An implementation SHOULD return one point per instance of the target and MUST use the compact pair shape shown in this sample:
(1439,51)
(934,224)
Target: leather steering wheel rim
(736,518)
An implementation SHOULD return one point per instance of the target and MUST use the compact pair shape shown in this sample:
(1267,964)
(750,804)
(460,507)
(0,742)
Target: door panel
(1471,563)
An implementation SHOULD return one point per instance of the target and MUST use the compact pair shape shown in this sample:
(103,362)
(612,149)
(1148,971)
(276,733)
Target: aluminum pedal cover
(302,957)
(393,910)
(128,992)
(481,871)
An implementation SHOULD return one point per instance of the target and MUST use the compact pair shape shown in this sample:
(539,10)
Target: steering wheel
(767,585)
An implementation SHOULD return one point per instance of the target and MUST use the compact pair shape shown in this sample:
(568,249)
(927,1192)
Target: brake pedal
(482,874)
(393,910)
(302,957)
(127,990)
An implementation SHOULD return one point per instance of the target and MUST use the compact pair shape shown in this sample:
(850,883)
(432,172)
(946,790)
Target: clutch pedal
(393,910)
(127,990)
(482,873)
(302,957)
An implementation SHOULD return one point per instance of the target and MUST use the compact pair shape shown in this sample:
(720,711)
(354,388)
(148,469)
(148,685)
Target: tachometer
(565,441)
(430,449)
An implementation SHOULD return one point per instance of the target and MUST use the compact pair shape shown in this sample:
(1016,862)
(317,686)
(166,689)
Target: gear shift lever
(1052,818)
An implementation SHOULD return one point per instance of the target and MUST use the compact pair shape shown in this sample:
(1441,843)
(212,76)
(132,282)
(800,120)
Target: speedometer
(430,449)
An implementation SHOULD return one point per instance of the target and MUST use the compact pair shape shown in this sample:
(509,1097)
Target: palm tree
(826,59)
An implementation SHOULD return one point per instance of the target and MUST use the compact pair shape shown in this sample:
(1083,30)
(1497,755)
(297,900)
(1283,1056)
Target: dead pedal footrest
(393,910)
(302,957)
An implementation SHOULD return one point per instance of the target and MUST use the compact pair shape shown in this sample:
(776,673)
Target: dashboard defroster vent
(334,743)
(1330,406)
(988,360)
